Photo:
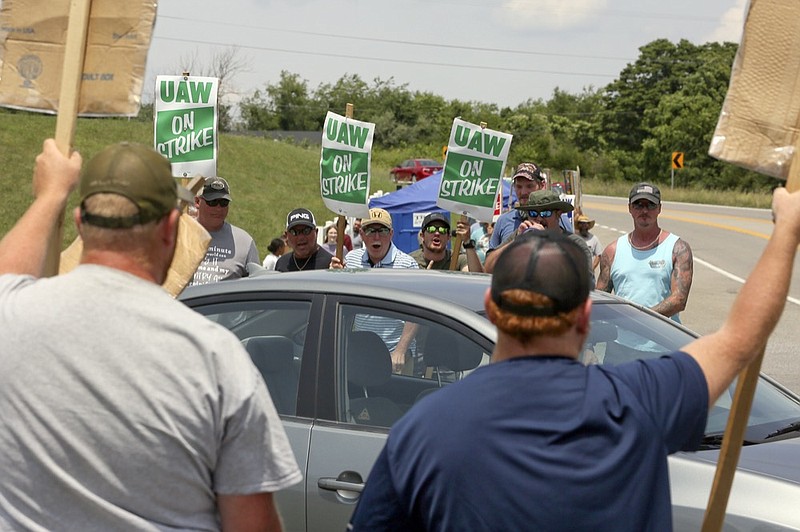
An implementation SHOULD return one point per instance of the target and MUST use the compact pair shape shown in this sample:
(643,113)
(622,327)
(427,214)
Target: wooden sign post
(740,411)
(70,92)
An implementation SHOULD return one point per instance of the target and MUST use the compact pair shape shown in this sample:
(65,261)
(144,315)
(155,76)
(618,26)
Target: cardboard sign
(344,166)
(759,121)
(473,170)
(186,124)
(190,250)
(32,39)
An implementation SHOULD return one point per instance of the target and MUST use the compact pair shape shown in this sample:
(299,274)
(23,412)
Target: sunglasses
(217,202)
(306,230)
(640,205)
(539,214)
(378,230)
(433,229)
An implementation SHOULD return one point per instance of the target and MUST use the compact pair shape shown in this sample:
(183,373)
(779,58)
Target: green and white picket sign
(344,167)
(185,121)
(473,170)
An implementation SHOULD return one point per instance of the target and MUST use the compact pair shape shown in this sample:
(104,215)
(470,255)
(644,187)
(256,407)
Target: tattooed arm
(680,282)
(606,260)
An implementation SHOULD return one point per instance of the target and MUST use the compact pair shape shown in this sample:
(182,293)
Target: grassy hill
(268,178)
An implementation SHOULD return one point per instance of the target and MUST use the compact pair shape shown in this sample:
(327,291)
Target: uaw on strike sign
(344,165)
(186,124)
(473,170)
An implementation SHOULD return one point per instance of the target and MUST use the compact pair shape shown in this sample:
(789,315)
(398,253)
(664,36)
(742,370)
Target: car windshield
(621,333)
(428,162)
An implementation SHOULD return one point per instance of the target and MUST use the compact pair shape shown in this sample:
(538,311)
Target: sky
(493,51)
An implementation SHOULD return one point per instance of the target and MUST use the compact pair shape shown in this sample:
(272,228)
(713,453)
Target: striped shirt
(394,258)
(389,329)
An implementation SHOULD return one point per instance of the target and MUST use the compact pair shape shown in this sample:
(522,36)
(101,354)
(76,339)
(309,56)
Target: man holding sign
(566,439)
(122,408)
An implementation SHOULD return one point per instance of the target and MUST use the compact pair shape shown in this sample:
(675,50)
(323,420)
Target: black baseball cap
(435,217)
(645,191)
(300,217)
(546,263)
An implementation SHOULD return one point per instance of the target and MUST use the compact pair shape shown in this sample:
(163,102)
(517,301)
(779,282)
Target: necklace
(300,268)
(648,246)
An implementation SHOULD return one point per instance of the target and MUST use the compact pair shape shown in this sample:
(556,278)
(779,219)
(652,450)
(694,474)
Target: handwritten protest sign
(186,124)
(476,160)
(32,49)
(344,166)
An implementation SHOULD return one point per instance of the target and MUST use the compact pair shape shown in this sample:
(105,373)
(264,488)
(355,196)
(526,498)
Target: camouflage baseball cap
(136,172)
(528,171)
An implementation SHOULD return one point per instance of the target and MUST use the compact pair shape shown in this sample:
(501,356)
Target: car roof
(409,285)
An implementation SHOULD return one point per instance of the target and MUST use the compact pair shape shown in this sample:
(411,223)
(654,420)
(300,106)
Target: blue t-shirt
(540,443)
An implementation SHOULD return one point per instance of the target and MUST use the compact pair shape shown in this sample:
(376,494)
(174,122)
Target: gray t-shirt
(124,409)
(230,251)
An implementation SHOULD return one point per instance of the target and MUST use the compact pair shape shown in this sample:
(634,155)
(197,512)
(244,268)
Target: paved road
(726,242)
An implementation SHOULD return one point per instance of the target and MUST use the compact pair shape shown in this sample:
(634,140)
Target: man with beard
(306,254)
(649,266)
(231,248)
(433,253)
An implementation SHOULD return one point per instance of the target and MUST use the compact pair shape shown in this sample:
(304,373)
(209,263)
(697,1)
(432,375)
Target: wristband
(469,244)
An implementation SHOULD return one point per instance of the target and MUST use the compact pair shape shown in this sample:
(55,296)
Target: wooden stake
(740,412)
(69,98)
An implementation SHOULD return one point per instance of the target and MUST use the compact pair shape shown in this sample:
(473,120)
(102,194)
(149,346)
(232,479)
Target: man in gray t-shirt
(231,248)
(122,408)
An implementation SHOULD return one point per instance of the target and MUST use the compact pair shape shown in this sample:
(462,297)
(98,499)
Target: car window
(621,333)
(273,333)
(377,392)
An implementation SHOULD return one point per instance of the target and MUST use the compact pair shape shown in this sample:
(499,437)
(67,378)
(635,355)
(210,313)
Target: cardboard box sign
(32,37)
(759,120)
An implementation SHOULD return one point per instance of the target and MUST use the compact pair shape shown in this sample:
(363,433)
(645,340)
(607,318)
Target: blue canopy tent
(409,205)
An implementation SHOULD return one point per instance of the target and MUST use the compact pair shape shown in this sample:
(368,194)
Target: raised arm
(680,281)
(606,260)
(757,308)
(24,248)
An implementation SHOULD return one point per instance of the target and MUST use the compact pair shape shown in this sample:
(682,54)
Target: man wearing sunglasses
(306,254)
(542,212)
(649,266)
(527,178)
(433,253)
(231,248)
(380,252)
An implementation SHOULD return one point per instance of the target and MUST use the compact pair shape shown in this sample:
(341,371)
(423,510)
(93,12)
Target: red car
(411,170)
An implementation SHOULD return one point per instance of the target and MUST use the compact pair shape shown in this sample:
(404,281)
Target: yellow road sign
(677,160)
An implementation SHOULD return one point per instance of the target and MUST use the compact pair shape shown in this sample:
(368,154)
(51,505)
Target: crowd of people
(139,428)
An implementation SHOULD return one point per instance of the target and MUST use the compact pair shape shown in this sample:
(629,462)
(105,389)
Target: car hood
(779,459)
(764,494)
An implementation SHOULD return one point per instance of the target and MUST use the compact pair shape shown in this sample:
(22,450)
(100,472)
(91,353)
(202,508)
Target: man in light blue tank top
(648,266)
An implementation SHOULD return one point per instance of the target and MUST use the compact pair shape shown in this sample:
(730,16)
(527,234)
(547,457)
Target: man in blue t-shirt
(538,441)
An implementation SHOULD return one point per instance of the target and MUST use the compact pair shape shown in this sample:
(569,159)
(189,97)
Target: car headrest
(446,350)
(602,331)
(270,354)
(368,360)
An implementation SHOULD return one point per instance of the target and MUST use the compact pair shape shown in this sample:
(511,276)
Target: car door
(281,334)
(361,396)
